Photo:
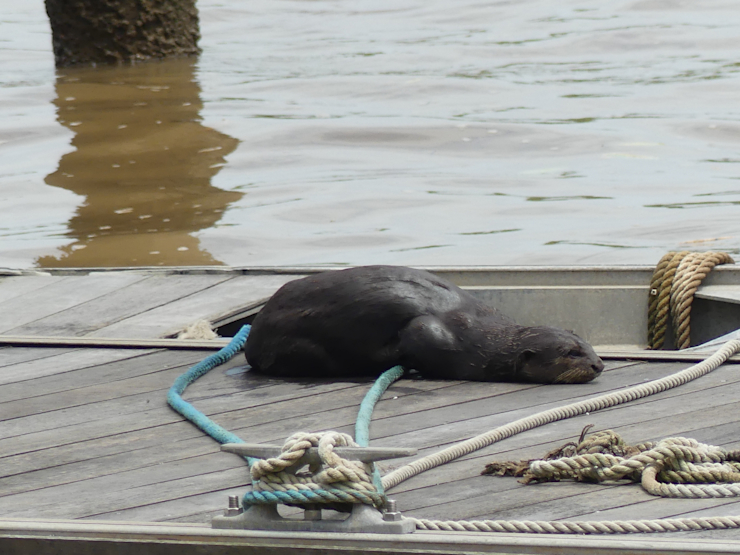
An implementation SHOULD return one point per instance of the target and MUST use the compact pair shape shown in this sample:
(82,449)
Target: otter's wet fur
(364,320)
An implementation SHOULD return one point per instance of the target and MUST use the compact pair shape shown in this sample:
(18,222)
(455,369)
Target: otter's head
(552,355)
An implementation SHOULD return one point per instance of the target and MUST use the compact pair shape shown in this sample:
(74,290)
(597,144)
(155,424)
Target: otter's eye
(575,353)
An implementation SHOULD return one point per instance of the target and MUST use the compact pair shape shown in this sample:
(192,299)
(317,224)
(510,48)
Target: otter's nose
(598,367)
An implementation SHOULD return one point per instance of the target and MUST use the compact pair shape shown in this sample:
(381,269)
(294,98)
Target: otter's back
(358,311)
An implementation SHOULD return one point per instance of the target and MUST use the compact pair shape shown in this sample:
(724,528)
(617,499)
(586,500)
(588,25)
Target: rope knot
(332,480)
(661,468)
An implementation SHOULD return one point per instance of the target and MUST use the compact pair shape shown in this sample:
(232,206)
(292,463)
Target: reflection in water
(143,162)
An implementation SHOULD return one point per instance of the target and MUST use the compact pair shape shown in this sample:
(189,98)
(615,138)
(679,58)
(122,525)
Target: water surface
(528,132)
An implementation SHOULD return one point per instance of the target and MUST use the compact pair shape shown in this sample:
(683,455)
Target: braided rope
(301,498)
(350,480)
(341,482)
(659,295)
(676,278)
(334,480)
(365,413)
(690,273)
(660,291)
(581,527)
(710,456)
(561,413)
(174,395)
(662,469)
(661,489)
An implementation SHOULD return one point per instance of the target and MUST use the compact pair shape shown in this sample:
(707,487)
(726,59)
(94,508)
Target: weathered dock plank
(215,303)
(136,363)
(448,424)
(103,426)
(135,298)
(118,436)
(658,419)
(443,481)
(12,287)
(432,496)
(64,362)
(11,357)
(127,304)
(197,508)
(120,391)
(49,302)
(269,400)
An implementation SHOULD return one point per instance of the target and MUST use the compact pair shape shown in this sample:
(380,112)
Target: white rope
(561,413)
(581,527)
(664,470)
(278,474)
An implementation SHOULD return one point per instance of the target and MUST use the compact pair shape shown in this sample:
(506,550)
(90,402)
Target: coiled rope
(574,409)
(663,468)
(561,413)
(335,481)
(675,280)
(673,459)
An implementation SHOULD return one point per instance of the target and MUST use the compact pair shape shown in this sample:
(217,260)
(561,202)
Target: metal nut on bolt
(234,508)
(391,512)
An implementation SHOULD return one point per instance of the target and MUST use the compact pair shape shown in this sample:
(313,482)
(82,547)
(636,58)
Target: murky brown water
(528,132)
(143,163)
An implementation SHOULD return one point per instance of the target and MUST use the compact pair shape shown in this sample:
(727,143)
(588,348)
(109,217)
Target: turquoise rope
(301,497)
(362,425)
(175,400)
(364,415)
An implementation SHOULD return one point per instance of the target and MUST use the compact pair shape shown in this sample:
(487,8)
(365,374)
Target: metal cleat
(362,518)
(364,454)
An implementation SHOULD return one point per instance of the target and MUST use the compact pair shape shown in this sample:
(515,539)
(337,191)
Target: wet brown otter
(365,320)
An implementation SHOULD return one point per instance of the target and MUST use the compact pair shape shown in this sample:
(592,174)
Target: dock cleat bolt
(234,507)
(391,512)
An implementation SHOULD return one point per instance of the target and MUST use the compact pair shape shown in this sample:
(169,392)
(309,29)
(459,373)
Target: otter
(364,320)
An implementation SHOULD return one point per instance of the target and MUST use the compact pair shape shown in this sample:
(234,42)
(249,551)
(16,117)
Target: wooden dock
(85,433)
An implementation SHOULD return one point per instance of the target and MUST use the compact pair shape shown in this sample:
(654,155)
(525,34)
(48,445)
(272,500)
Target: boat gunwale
(69,535)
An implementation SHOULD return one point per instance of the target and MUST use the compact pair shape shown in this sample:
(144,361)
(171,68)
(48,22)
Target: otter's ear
(524,357)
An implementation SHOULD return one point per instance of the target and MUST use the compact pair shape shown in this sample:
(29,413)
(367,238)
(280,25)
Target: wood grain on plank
(213,304)
(136,298)
(137,364)
(89,398)
(59,296)
(18,286)
(195,508)
(64,362)
(112,419)
(10,356)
